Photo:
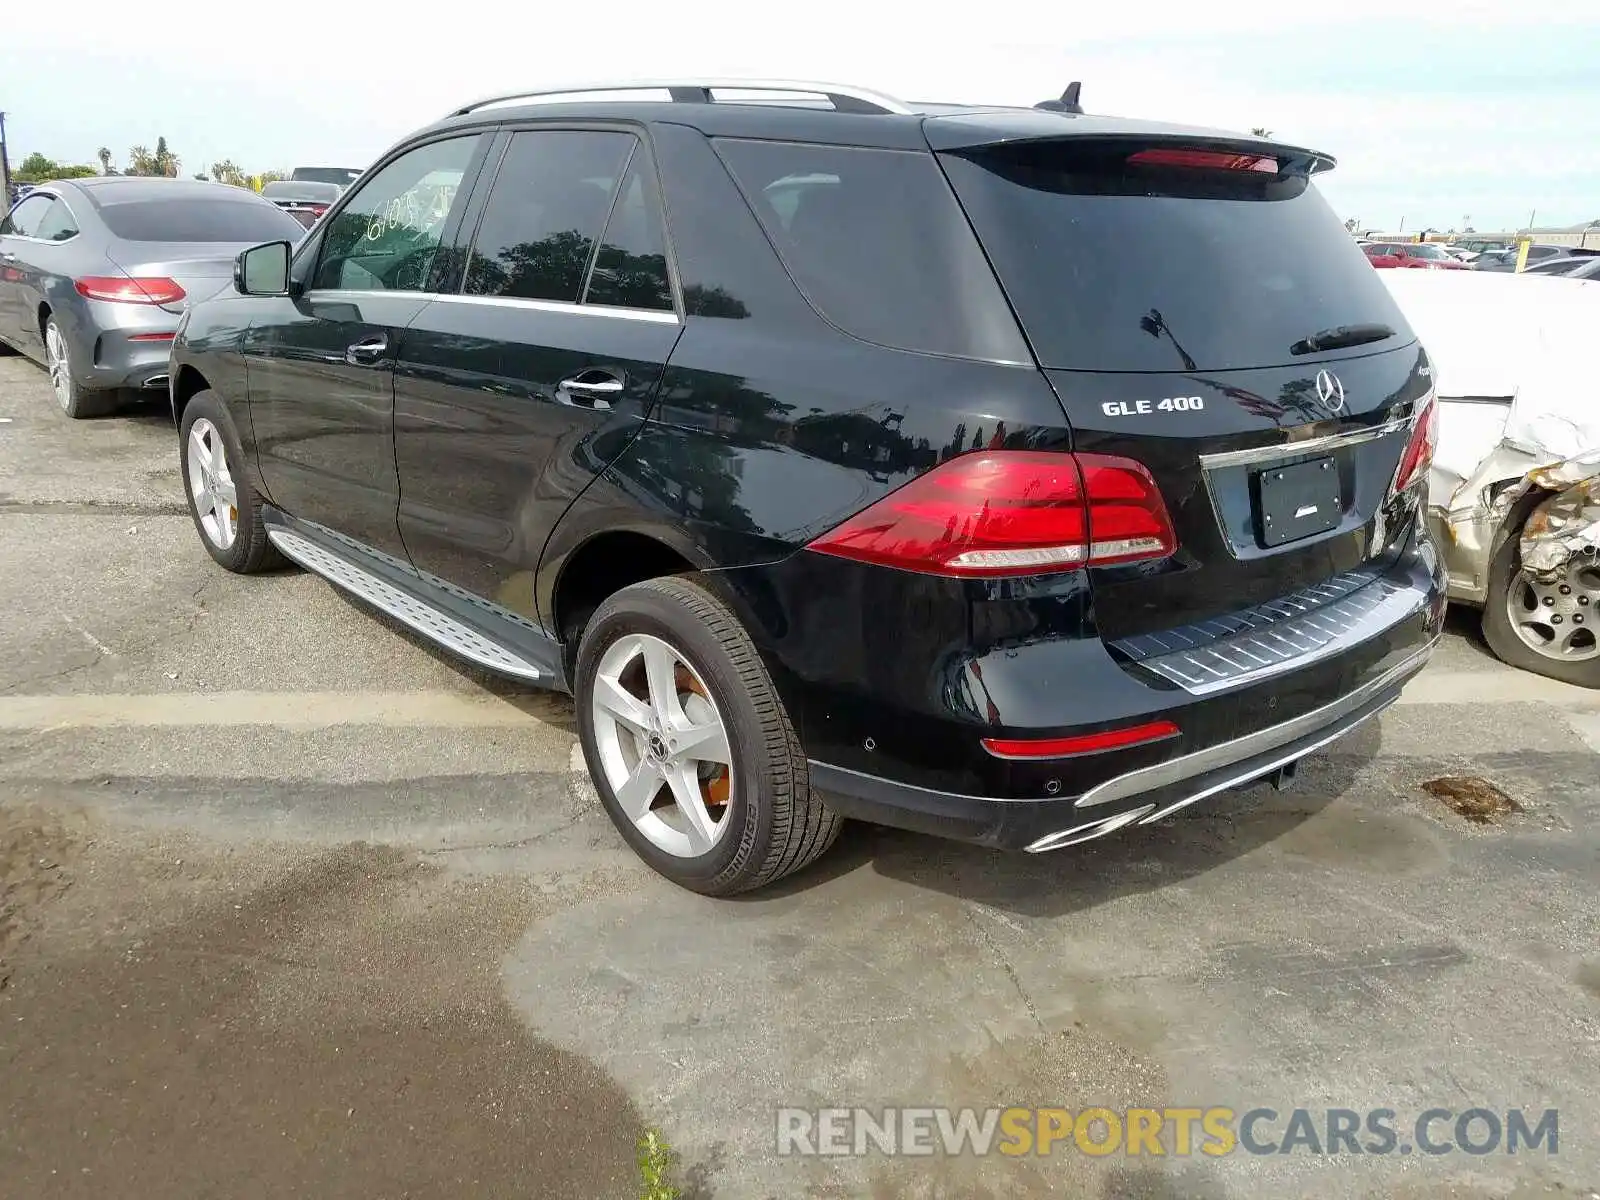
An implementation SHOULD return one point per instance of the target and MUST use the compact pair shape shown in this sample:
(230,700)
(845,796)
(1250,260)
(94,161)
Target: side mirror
(263,270)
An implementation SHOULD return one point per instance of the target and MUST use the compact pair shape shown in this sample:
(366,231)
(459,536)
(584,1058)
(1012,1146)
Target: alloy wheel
(59,365)
(663,745)
(1558,619)
(211,486)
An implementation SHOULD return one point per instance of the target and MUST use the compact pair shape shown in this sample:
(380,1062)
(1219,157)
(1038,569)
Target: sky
(1441,115)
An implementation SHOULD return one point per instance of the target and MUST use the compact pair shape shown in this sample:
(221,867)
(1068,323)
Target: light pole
(5,167)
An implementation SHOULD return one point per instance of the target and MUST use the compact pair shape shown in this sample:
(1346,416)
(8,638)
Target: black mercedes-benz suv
(1014,475)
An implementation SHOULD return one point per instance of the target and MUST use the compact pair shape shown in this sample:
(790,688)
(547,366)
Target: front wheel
(689,745)
(1551,628)
(226,509)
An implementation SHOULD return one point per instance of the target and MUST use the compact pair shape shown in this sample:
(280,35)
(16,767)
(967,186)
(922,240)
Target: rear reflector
(123,290)
(1011,512)
(1207,160)
(150,337)
(1418,456)
(1087,743)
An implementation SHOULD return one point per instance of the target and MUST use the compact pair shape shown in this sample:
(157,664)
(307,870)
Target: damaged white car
(1514,494)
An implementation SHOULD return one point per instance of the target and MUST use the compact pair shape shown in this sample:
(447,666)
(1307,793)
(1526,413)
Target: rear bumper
(1139,796)
(892,698)
(122,345)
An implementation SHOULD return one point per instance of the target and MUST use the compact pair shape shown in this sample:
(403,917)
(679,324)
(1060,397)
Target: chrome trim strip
(1292,639)
(555,306)
(1282,450)
(1263,741)
(404,607)
(1258,772)
(887,103)
(1079,834)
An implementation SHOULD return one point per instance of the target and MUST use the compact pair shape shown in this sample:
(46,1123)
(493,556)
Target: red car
(1412,254)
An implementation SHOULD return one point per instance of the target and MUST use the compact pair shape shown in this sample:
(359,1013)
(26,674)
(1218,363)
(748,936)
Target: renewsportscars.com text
(1160,1132)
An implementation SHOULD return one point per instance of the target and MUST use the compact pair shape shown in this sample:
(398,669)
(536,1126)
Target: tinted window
(1426,250)
(386,238)
(630,268)
(25,217)
(343,176)
(57,225)
(1121,266)
(196,220)
(1535,252)
(878,245)
(550,200)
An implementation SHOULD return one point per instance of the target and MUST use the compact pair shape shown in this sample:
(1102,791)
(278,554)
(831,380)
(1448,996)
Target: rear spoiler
(970,131)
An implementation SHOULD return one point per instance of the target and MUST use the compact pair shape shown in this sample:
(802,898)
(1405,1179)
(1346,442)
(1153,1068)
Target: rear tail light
(1418,456)
(1083,743)
(1012,512)
(125,290)
(1206,160)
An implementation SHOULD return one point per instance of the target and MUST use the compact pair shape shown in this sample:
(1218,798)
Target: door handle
(367,351)
(591,388)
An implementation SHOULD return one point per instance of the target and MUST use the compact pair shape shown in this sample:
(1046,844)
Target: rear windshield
(198,221)
(1120,267)
(343,176)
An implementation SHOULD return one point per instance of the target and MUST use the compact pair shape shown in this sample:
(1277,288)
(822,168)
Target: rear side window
(550,201)
(878,245)
(24,219)
(1121,266)
(190,220)
(57,225)
(630,268)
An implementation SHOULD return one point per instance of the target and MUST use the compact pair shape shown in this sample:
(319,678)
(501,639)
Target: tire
(75,400)
(1501,633)
(767,821)
(206,429)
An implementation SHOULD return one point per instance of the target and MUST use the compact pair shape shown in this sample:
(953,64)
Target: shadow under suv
(1013,475)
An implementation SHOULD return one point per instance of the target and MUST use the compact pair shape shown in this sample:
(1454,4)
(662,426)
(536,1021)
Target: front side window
(57,225)
(630,268)
(551,197)
(386,238)
(26,216)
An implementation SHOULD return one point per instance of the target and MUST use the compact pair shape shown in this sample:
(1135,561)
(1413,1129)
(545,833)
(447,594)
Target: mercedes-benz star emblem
(1330,391)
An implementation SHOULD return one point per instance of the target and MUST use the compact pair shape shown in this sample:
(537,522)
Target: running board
(437,626)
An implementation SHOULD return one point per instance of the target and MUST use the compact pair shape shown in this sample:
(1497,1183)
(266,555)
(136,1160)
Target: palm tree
(141,161)
(227,171)
(1261,131)
(104,155)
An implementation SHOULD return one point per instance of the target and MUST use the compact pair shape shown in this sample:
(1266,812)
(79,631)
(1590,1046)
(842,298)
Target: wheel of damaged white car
(689,745)
(1547,623)
(222,500)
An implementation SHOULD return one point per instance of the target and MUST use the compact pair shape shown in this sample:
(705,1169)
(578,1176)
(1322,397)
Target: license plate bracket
(1298,501)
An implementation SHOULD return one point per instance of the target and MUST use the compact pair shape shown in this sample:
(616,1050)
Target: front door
(514,390)
(18,245)
(321,362)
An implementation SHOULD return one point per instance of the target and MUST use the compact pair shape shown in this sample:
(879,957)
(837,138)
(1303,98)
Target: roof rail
(699,91)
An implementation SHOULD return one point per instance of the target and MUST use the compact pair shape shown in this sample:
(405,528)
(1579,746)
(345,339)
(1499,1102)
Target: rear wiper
(1340,337)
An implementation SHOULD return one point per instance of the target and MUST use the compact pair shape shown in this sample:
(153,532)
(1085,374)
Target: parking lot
(281,881)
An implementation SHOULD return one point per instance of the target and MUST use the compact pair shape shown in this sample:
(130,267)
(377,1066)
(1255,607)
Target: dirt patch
(1588,978)
(34,853)
(336,1028)
(1478,800)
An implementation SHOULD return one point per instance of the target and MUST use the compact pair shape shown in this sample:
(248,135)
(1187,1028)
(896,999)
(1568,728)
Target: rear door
(512,390)
(1203,312)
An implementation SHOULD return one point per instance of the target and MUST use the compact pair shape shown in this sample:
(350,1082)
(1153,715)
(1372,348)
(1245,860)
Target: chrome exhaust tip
(1088,832)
